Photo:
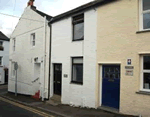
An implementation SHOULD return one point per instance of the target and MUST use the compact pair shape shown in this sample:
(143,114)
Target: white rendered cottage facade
(29,47)
(73,57)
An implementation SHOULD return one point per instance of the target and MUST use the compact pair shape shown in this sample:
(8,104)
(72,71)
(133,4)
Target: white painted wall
(63,48)
(25,53)
(5,60)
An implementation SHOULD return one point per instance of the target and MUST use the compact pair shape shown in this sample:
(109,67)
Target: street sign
(16,66)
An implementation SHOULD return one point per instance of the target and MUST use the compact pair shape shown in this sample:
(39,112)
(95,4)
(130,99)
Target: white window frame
(141,12)
(142,71)
(14,44)
(1,61)
(78,62)
(32,40)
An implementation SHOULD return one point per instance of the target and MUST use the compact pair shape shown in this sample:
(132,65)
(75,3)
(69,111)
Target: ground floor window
(77,70)
(145,72)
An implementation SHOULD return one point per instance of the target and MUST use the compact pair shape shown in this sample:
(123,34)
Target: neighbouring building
(123,56)
(4,58)
(29,47)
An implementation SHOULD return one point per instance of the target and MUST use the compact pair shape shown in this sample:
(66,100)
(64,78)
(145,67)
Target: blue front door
(111,86)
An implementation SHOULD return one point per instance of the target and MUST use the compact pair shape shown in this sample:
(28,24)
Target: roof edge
(84,7)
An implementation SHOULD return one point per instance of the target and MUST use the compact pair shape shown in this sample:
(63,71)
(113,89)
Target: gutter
(49,58)
(44,57)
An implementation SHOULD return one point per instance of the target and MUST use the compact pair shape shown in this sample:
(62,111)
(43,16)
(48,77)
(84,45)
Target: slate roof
(3,37)
(48,17)
(82,8)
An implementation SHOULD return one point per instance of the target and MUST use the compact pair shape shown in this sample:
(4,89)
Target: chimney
(30,3)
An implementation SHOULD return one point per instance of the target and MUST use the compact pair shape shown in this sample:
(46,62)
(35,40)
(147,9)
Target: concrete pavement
(60,110)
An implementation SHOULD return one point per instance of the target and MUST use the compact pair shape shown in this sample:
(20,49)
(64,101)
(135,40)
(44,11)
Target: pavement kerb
(47,110)
(39,108)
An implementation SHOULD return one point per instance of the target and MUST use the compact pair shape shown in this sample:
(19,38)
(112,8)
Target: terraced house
(29,47)
(123,56)
(100,56)
(4,58)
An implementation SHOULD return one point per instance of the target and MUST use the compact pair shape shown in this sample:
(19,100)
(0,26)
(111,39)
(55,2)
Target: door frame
(53,77)
(100,72)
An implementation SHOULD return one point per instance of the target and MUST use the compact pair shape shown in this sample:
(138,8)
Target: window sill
(143,92)
(33,47)
(142,31)
(78,39)
(79,83)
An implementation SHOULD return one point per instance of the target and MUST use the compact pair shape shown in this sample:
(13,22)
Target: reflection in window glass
(77,73)
(77,67)
(146,20)
(112,72)
(146,5)
(146,63)
(146,83)
(78,31)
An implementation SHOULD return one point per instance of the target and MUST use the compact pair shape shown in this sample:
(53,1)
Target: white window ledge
(143,92)
(143,31)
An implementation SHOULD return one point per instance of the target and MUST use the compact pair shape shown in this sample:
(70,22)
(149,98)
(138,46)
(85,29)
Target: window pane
(33,36)
(0,60)
(146,4)
(1,43)
(78,73)
(33,43)
(146,62)
(146,20)
(78,60)
(79,31)
(146,83)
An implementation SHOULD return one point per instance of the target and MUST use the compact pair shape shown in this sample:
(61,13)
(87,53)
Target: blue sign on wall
(128,61)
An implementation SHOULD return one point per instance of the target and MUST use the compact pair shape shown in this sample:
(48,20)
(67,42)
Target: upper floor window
(1,46)
(145,14)
(14,44)
(78,27)
(33,39)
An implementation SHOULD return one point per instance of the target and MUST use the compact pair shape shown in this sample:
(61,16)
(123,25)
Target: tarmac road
(9,108)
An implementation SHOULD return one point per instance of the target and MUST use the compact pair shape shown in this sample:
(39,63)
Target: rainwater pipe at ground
(44,58)
(140,115)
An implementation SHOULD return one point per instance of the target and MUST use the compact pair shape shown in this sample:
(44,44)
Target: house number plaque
(65,75)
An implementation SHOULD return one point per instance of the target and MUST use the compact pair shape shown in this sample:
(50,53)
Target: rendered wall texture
(117,41)
(63,48)
(25,53)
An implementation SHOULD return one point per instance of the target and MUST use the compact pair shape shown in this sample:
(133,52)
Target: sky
(16,7)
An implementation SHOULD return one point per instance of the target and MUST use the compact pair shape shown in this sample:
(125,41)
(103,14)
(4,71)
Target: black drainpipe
(49,60)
